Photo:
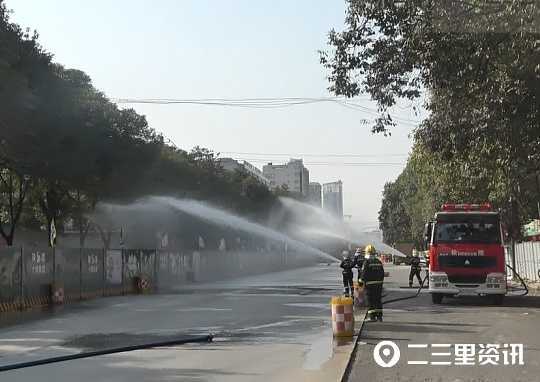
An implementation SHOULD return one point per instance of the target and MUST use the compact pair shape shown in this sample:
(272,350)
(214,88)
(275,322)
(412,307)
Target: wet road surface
(457,321)
(272,327)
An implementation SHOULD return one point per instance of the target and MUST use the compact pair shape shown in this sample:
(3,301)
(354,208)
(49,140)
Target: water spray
(223,218)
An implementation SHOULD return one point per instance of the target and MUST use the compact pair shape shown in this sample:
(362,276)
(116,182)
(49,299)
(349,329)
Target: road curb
(352,356)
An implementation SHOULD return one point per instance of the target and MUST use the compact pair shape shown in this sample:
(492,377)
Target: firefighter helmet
(370,249)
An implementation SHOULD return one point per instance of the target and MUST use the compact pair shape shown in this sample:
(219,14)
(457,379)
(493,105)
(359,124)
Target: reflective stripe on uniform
(373,282)
(374,311)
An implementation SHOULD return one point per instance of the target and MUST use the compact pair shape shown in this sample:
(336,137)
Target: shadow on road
(509,302)
(419,328)
(437,323)
(522,301)
(9,319)
(372,340)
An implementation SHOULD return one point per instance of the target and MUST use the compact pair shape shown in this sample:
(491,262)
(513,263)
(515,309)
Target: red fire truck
(466,253)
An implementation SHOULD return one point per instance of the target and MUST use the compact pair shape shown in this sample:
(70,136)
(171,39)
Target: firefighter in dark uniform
(415,270)
(347,265)
(373,278)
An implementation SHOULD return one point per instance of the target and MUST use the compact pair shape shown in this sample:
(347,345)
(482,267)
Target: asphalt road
(270,327)
(456,321)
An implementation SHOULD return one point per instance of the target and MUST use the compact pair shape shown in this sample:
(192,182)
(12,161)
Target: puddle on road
(309,305)
(319,352)
(17,348)
(203,310)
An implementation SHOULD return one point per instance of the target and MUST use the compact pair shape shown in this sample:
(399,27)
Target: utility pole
(512,234)
(538,190)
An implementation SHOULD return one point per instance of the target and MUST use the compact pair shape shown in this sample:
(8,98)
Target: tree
(13,188)
(393,219)
(64,147)
(81,204)
(21,59)
(427,182)
(478,63)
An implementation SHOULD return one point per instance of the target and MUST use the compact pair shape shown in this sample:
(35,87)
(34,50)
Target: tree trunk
(50,206)
(105,237)
(537,176)
(16,187)
(83,233)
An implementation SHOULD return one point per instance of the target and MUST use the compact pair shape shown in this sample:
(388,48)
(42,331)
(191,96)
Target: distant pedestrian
(347,265)
(373,278)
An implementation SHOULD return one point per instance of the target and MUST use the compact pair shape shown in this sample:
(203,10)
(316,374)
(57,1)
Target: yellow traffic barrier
(342,316)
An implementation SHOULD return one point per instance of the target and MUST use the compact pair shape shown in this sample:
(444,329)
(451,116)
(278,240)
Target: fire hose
(70,357)
(408,297)
(525,289)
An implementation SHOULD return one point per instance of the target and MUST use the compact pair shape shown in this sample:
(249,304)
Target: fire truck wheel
(497,299)
(436,298)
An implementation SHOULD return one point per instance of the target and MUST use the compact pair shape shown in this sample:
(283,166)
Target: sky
(228,49)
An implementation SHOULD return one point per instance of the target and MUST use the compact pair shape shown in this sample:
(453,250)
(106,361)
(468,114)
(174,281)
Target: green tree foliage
(479,64)
(13,188)
(427,182)
(64,147)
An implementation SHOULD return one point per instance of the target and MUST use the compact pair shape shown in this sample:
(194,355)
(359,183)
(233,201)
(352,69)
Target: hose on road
(70,357)
(408,297)
(525,289)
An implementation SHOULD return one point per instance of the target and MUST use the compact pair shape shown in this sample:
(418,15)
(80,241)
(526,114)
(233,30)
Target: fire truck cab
(466,253)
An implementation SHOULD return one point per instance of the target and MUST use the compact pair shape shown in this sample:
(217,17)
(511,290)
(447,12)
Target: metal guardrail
(527,260)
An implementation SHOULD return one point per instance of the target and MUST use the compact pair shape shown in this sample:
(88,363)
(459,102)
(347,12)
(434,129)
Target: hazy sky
(226,49)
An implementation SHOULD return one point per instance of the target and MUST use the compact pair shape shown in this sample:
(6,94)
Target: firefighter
(347,265)
(373,277)
(415,270)
(358,262)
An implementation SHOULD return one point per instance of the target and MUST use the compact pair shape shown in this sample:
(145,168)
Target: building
(333,198)
(255,172)
(315,194)
(292,174)
(230,164)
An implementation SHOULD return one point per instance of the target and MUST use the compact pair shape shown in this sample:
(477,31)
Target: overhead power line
(234,102)
(300,155)
(265,103)
(325,163)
